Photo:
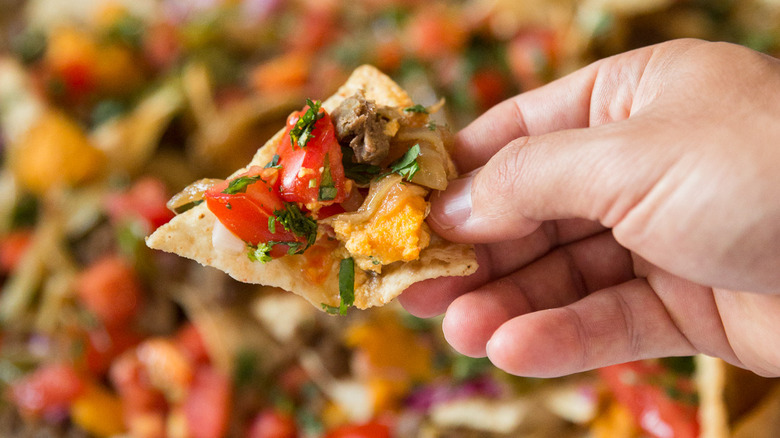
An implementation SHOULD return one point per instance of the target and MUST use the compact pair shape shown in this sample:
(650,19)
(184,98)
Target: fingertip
(538,344)
(470,322)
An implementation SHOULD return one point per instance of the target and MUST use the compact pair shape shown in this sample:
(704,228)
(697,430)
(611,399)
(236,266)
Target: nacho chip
(314,274)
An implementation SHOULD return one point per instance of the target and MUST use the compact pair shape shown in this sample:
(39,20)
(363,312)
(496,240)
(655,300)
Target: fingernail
(452,207)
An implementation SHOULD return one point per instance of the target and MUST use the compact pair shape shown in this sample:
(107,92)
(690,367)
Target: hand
(629,210)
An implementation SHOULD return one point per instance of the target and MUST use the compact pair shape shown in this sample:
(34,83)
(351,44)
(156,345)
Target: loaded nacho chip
(333,207)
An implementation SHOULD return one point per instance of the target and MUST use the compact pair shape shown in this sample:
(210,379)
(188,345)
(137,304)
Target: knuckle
(505,172)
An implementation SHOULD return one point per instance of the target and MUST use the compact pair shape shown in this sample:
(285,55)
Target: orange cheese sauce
(396,232)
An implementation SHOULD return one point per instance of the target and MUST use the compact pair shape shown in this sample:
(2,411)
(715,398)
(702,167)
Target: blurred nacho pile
(109,107)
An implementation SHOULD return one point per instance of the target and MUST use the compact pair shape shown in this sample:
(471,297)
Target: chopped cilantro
(260,252)
(240,184)
(293,219)
(432,126)
(301,133)
(328,190)
(346,288)
(246,369)
(274,163)
(374,260)
(361,173)
(272,224)
(416,109)
(184,207)
(228,206)
(407,166)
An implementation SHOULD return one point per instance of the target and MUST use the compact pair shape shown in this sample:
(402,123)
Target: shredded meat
(360,126)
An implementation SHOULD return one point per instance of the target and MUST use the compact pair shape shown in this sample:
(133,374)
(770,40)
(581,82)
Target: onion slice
(223,239)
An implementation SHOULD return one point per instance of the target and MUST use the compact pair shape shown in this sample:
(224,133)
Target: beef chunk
(360,126)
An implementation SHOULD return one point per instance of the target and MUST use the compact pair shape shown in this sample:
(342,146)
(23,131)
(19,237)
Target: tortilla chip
(189,234)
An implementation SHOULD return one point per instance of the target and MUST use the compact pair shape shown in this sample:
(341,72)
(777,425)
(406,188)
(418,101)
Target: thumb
(597,173)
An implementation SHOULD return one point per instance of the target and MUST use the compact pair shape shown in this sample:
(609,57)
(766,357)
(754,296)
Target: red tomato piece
(207,406)
(246,213)
(12,249)
(655,412)
(191,343)
(110,289)
(132,383)
(303,167)
(103,346)
(435,33)
(372,429)
(47,391)
(488,87)
(272,423)
(533,57)
(145,200)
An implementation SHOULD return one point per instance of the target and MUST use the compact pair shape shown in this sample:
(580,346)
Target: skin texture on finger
(560,278)
(619,324)
(432,297)
(751,323)
(693,309)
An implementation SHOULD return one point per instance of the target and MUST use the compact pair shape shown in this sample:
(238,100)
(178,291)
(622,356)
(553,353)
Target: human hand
(629,210)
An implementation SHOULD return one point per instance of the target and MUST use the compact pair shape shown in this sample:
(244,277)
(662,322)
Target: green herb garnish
(301,133)
(274,163)
(432,126)
(188,206)
(407,165)
(240,184)
(328,190)
(293,219)
(361,173)
(416,109)
(260,252)
(346,288)
(272,224)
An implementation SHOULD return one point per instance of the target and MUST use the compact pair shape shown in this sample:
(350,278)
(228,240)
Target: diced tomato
(246,213)
(635,386)
(132,383)
(320,29)
(435,33)
(372,429)
(488,87)
(145,200)
(303,167)
(70,57)
(207,406)
(389,54)
(48,391)
(110,289)
(12,249)
(105,345)
(533,57)
(272,423)
(292,380)
(190,341)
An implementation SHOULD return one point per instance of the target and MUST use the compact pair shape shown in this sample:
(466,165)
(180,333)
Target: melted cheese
(395,232)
